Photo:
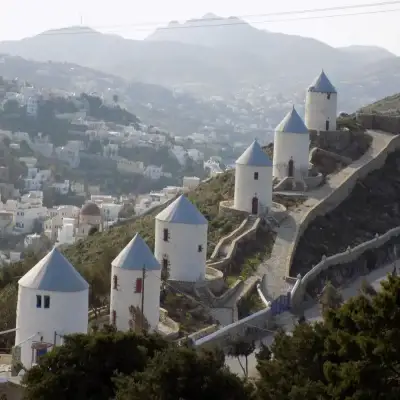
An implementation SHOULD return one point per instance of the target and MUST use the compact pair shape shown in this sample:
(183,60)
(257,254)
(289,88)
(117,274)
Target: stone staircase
(224,250)
(204,295)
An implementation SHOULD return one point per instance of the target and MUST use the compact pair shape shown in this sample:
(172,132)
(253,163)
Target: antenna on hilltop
(81,20)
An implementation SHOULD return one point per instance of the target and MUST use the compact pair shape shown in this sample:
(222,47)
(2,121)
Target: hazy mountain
(217,56)
(369,54)
(210,55)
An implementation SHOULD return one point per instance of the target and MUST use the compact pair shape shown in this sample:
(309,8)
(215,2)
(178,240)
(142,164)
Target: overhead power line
(202,23)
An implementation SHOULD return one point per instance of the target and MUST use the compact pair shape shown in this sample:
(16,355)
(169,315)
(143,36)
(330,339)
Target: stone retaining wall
(349,255)
(340,194)
(241,238)
(248,327)
(226,209)
(379,122)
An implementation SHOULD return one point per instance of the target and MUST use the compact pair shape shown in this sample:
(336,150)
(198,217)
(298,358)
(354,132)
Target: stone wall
(240,239)
(226,209)
(346,257)
(226,239)
(335,141)
(357,171)
(249,327)
(379,122)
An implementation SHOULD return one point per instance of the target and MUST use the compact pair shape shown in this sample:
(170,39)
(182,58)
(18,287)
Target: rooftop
(54,273)
(292,123)
(322,84)
(182,211)
(254,156)
(136,255)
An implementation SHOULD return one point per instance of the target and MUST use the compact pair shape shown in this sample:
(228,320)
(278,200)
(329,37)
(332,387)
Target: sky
(22,18)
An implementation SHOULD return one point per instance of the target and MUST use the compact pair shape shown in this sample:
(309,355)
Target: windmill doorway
(291,168)
(254,205)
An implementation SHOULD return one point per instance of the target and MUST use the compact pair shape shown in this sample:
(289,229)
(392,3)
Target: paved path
(312,314)
(276,267)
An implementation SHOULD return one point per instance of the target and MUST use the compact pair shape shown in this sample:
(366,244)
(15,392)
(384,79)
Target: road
(311,314)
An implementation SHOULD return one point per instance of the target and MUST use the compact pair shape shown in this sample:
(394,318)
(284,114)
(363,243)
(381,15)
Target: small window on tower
(256,176)
(328,96)
(139,285)
(46,301)
(115,282)
(114,318)
(38,301)
(166,235)
(200,248)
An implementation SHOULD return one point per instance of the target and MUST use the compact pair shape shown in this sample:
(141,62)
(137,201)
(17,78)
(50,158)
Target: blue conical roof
(322,84)
(182,211)
(136,255)
(254,156)
(54,273)
(292,123)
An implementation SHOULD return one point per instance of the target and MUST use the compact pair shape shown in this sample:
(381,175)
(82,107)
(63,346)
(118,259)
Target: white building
(181,241)
(32,106)
(135,273)
(321,105)
(253,180)
(291,147)
(190,182)
(53,300)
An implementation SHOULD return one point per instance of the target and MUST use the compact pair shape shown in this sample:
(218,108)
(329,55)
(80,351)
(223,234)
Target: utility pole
(142,324)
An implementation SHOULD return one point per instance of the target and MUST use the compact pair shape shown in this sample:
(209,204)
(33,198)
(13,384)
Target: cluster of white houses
(53,296)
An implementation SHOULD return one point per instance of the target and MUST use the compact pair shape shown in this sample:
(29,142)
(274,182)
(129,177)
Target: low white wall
(221,338)
(349,255)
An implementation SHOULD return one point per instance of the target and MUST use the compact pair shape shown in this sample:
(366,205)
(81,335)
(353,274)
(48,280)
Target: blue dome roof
(182,211)
(54,273)
(136,255)
(292,123)
(254,156)
(322,84)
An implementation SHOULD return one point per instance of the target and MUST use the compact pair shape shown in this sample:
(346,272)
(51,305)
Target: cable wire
(200,23)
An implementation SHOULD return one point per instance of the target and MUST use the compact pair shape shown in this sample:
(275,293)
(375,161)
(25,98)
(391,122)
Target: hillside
(180,113)
(388,105)
(221,57)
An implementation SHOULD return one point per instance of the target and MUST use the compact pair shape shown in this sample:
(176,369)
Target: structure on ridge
(181,241)
(53,300)
(291,147)
(253,181)
(321,105)
(135,282)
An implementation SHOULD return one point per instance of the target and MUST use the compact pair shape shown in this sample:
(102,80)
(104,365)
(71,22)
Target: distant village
(25,221)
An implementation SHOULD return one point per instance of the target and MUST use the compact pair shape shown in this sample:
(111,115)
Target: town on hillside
(139,262)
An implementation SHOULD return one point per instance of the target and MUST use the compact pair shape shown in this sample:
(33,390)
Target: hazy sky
(134,19)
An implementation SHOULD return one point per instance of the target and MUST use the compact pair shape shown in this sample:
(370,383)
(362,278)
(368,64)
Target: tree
(184,373)
(241,348)
(11,107)
(84,367)
(367,289)
(93,230)
(353,354)
(330,298)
